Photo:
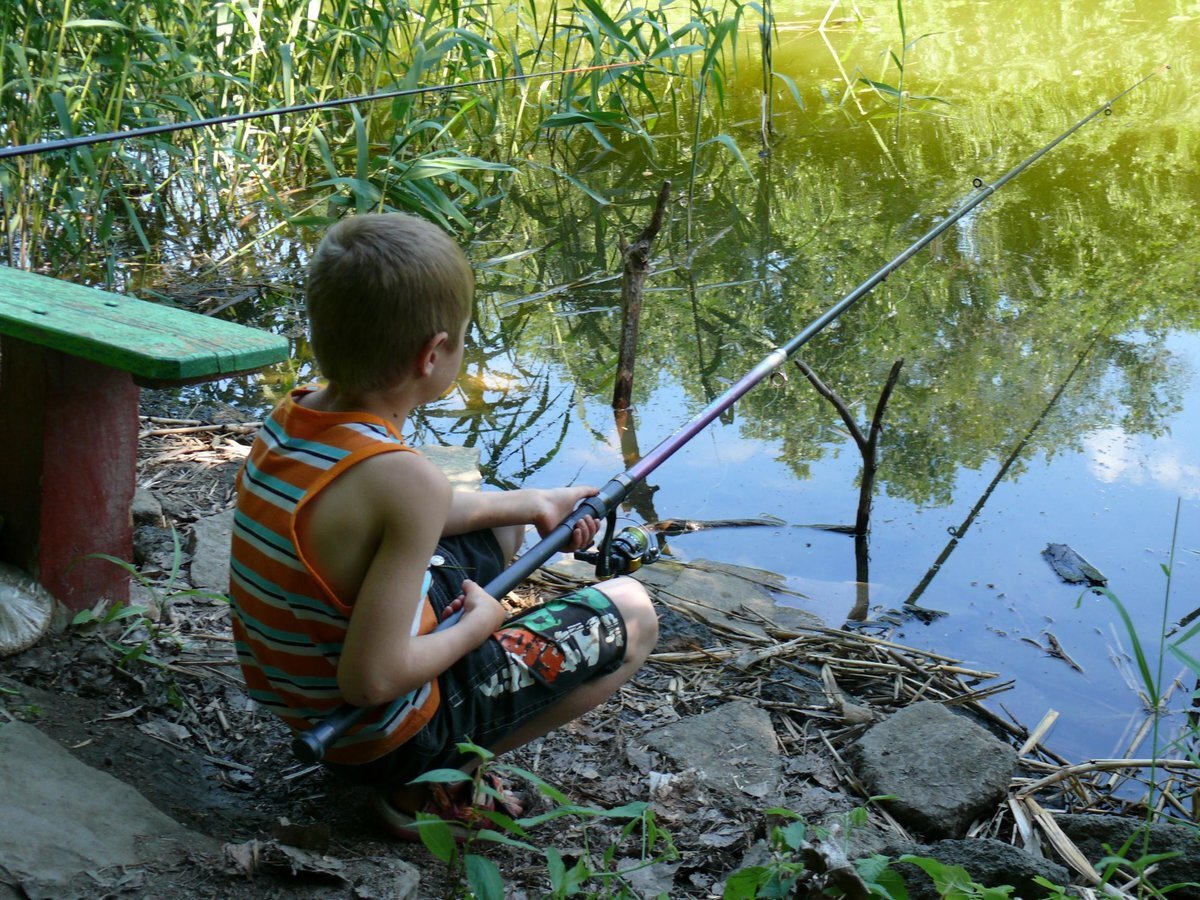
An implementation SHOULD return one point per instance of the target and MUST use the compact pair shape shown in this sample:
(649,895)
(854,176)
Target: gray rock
(1091,832)
(718,594)
(459,464)
(153,547)
(733,751)
(146,510)
(209,545)
(990,862)
(60,818)
(944,770)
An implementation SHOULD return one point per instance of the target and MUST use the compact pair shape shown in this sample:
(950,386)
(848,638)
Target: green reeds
(67,68)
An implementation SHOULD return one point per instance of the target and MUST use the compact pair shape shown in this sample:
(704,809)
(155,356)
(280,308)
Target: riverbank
(746,706)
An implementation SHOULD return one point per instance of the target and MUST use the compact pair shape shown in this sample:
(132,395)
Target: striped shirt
(288,624)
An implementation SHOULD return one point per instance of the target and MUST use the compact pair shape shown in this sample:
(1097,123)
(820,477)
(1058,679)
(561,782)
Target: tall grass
(69,67)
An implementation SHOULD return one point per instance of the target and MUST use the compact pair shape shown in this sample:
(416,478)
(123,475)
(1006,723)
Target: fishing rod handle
(310,746)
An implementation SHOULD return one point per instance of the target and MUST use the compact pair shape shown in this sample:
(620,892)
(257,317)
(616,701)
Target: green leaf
(881,87)
(437,837)
(731,145)
(744,884)
(443,776)
(484,878)
(95,23)
(584,117)
(945,877)
(791,86)
(794,834)
(556,868)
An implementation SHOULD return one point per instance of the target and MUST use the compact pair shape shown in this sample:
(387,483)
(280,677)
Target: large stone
(459,464)
(732,750)
(210,541)
(943,770)
(989,862)
(723,595)
(1091,832)
(60,818)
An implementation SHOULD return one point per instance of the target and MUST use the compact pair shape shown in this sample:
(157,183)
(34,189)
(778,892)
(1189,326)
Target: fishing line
(167,128)
(310,745)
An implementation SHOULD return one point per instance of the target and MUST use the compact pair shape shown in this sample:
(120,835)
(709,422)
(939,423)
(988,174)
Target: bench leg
(68,454)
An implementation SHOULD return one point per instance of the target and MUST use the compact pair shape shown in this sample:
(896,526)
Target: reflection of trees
(991,317)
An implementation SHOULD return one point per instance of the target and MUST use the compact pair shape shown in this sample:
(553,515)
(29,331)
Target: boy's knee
(637,609)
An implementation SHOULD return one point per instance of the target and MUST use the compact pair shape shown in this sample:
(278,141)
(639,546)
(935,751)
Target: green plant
(482,877)
(128,642)
(808,860)
(898,94)
(1152,682)
(445,154)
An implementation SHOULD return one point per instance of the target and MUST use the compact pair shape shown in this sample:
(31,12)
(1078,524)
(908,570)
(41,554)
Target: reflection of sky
(1114,456)
(1169,463)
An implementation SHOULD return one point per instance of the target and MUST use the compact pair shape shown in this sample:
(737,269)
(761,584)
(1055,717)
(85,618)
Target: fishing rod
(310,746)
(167,128)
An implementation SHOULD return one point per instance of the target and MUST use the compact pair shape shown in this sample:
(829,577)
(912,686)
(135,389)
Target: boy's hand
(477,605)
(552,506)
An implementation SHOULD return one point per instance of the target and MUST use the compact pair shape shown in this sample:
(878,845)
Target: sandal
(447,803)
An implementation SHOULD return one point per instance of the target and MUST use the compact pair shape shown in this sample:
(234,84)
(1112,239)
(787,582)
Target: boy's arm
(544,509)
(381,659)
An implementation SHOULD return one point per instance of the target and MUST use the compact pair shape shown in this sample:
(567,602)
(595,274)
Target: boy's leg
(510,538)
(641,634)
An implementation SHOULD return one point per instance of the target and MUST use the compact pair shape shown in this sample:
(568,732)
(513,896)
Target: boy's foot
(453,805)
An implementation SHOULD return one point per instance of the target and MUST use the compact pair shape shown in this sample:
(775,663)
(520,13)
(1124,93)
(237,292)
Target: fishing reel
(623,552)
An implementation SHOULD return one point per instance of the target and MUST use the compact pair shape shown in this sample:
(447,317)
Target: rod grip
(310,746)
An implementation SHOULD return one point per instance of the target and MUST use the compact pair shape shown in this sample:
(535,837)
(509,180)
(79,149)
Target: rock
(943,770)
(96,821)
(678,633)
(146,510)
(459,464)
(1091,831)
(153,547)
(989,862)
(719,594)
(733,751)
(209,546)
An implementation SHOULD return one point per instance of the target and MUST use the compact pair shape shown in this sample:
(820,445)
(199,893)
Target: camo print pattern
(561,643)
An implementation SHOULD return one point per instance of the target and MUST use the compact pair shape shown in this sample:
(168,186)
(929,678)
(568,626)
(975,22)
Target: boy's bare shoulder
(398,475)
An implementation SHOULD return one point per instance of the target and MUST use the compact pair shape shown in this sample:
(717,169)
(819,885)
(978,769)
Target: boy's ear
(427,356)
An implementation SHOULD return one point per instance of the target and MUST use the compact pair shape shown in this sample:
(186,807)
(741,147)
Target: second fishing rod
(310,746)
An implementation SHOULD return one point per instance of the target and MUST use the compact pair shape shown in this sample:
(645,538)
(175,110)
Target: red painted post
(68,458)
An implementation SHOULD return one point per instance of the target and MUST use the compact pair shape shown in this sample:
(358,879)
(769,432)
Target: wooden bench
(72,362)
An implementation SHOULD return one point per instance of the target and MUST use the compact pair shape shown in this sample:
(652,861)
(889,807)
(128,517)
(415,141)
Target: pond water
(1051,339)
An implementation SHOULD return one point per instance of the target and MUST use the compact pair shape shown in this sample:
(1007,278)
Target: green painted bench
(72,363)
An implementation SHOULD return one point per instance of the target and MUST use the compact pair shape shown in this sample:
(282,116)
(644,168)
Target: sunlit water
(1057,325)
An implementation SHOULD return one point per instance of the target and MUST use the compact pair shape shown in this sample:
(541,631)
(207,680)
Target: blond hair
(379,287)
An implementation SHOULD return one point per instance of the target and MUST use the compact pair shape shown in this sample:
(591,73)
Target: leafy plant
(135,620)
(898,94)
(483,878)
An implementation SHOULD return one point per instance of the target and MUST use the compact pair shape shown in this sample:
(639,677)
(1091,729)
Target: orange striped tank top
(288,625)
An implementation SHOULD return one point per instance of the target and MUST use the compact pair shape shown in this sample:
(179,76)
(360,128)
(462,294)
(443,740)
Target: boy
(349,547)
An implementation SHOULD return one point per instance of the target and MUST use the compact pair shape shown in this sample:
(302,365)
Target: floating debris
(1072,567)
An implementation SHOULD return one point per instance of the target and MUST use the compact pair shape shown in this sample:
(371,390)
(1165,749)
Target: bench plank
(153,342)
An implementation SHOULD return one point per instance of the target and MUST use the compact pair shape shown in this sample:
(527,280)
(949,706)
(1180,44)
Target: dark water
(1050,339)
